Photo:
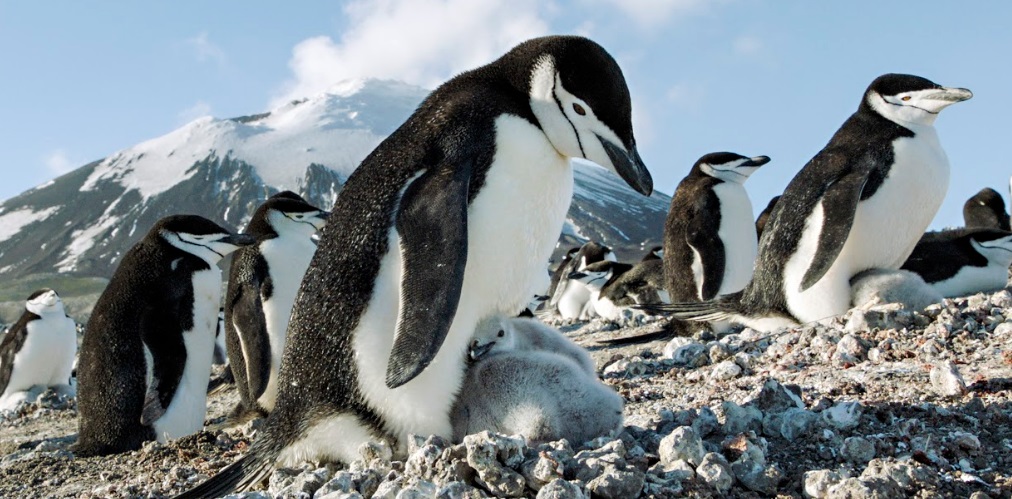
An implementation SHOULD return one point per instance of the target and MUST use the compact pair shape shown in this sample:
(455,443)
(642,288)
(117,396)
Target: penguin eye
(905,98)
(501,333)
(579,109)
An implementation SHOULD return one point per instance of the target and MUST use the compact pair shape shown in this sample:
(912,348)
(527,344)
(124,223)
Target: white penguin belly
(47,357)
(287,261)
(185,413)
(737,232)
(513,225)
(886,228)
(574,299)
(972,280)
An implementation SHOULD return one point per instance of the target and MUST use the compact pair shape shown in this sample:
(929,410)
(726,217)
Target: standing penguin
(963,261)
(709,240)
(572,298)
(420,249)
(862,202)
(262,284)
(986,209)
(39,348)
(146,353)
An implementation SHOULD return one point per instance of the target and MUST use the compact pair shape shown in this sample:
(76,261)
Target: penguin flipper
(703,238)
(9,347)
(168,357)
(250,326)
(432,223)
(839,206)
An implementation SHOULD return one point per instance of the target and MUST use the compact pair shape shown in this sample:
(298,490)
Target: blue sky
(85,79)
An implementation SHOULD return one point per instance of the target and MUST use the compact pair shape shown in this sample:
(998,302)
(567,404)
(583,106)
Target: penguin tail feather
(241,475)
(706,311)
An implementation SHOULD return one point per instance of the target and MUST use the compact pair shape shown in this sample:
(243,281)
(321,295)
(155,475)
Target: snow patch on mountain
(335,129)
(12,223)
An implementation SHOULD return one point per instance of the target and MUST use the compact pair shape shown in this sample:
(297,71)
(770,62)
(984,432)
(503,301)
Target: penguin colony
(403,321)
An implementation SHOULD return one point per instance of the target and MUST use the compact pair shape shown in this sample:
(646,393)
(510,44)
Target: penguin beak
(757,161)
(950,95)
(477,351)
(629,166)
(239,240)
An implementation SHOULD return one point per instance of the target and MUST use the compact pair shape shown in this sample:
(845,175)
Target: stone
(738,419)
(795,423)
(817,483)
(614,483)
(561,489)
(716,472)
(946,380)
(857,450)
(725,370)
(682,444)
(459,490)
(843,415)
(774,397)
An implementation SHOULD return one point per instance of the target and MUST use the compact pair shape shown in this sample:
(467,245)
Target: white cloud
(205,50)
(58,162)
(418,41)
(654,13)
(198,110)
(748,45)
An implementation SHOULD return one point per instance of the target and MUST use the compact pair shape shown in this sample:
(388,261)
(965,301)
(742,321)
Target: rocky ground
(882,402)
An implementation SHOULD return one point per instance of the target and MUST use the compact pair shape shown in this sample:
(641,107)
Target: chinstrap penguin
(556,274)
(146,353)
(498,334)
(572,299)
(39,349)
(600,279)
(539,394)
(262,284)
(963,261)
(986,210)
(862,202)
(419,249)
(709,238)
(880,286)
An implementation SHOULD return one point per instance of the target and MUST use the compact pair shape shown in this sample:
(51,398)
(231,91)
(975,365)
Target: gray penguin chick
(876,286)
(499,333)
(541,395)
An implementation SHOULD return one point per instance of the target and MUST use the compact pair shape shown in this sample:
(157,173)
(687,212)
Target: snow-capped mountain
(82,222)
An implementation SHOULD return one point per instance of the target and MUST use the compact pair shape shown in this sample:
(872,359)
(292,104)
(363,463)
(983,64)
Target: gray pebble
(716,472)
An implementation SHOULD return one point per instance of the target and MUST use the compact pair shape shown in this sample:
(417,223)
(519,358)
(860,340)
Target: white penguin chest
(185,413)
(47,356)
(737,233)
(888,224)
(970,280)
(287,260)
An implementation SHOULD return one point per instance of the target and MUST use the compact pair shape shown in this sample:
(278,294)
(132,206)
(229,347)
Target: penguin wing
(250,326)
(163,337)
(432,223)
(9,348)
(839,205)
(701,235)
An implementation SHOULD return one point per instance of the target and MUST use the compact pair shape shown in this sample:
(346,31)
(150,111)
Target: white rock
(946,380)
(843,415)
(725,370)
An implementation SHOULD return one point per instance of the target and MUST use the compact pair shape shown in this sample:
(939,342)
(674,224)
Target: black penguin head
(909,99)
(581,101)
(764,217)
(729,166)
(995,245)
(655,253)
(199,237)
(287,213)
(595,275)
(44,302)
(592,252)
(986,209)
